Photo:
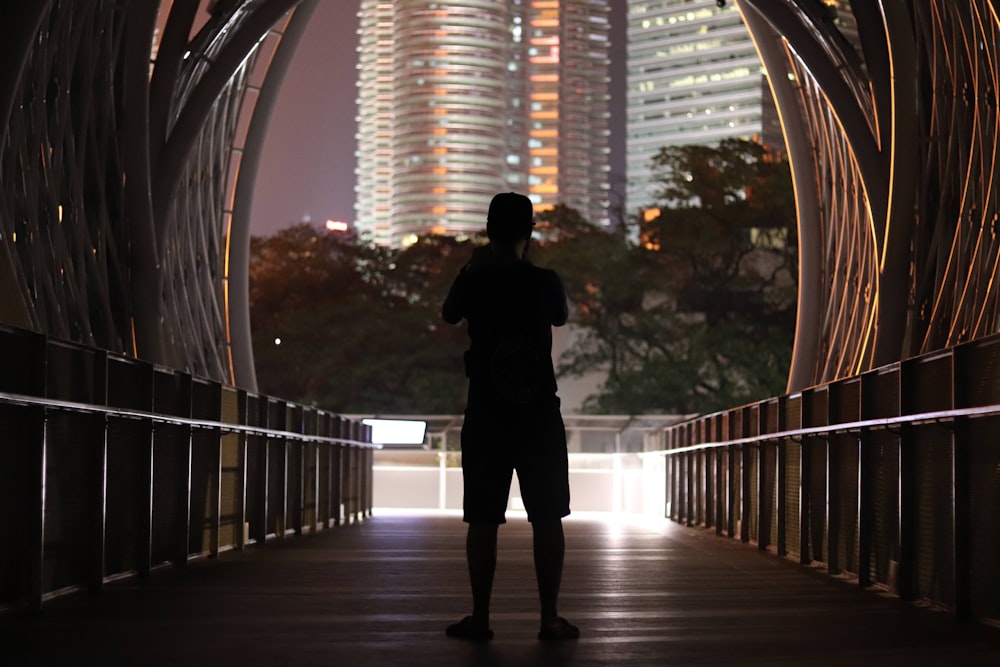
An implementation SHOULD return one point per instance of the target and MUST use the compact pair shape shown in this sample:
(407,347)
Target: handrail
(882,476)
(843,427)
(136,488)
(128,413)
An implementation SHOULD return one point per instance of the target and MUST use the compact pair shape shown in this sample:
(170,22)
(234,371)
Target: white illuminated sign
(396,431)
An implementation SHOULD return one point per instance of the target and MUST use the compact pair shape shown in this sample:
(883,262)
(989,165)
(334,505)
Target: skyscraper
(459,101)
(693,78)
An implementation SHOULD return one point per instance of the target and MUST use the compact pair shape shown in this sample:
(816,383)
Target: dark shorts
(494,445)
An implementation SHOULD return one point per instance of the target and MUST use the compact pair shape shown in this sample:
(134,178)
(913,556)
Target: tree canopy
(359,326)
(692,310)
(688,310)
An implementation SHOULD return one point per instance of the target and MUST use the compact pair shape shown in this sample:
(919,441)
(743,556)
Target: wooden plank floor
(381,592)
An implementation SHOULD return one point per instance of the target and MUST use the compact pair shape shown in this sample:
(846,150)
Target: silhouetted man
(512,418)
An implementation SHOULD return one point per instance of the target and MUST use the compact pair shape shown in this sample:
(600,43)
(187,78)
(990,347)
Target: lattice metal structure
(126,181)
(127,178)
(889,110)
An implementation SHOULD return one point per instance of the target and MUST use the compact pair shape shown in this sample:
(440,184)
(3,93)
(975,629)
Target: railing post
(315,458)
(345,472)
(441,480)
(696,502)
(333,475)
(337,475)
(745,477)
(781,479)
(36,432)
(675,479)
(322,451)
(258,522)
(707,496)
(666,441)
(295,480)
(674,472)
(763,498)
(305,479)
(718,455)
(360,473)
(366,472)
(732,484)
(689,509)
(907,489)
(242,513)
(687,470)
(182,544)
(145,466)
(348,471)
(678,476)
(281,512)
(370,471)
(36,505)
(866,484)
(961,479)
(833,484)
(213,483)
(354,484)
(330,450)
(805,481)
(99,426)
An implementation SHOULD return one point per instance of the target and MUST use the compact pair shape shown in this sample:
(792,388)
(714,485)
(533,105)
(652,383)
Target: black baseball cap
(510,218)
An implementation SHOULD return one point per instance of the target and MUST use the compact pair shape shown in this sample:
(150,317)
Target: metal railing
(113,467)
(892,477)
(610,466)
(418,479)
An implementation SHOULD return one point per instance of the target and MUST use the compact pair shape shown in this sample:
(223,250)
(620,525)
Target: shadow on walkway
(381,593)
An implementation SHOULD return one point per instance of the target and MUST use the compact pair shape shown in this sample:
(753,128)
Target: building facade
(693,78)
(459,101)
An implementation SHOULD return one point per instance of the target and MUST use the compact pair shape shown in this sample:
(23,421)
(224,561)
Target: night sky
(307,167)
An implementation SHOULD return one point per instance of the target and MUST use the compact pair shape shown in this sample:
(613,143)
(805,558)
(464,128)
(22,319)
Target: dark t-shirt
(511,308)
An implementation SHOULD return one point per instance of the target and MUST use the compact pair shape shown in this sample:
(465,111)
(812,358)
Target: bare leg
(550,549)
(550,546)
(481,553)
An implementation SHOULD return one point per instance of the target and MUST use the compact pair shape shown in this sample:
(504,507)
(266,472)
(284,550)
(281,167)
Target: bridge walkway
(381,591)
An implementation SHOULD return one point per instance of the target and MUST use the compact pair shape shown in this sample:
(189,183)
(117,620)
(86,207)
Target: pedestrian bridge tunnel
(132,433)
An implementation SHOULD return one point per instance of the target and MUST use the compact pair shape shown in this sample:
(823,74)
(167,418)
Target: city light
(429,134)
(337,226)
(397,431)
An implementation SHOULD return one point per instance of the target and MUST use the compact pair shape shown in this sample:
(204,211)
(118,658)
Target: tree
(693,311)
(359,326)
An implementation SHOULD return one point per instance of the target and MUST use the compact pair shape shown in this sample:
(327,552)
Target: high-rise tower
(458,101)
(693,78)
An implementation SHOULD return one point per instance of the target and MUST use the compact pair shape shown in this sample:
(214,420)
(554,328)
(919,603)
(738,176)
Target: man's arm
(560,309)
(457,304)
(453,309)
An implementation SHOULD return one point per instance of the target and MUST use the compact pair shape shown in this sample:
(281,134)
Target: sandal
(467,629)
(560,629)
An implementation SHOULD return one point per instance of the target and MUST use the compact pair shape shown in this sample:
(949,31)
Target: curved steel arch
(892,139)
(117,226)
